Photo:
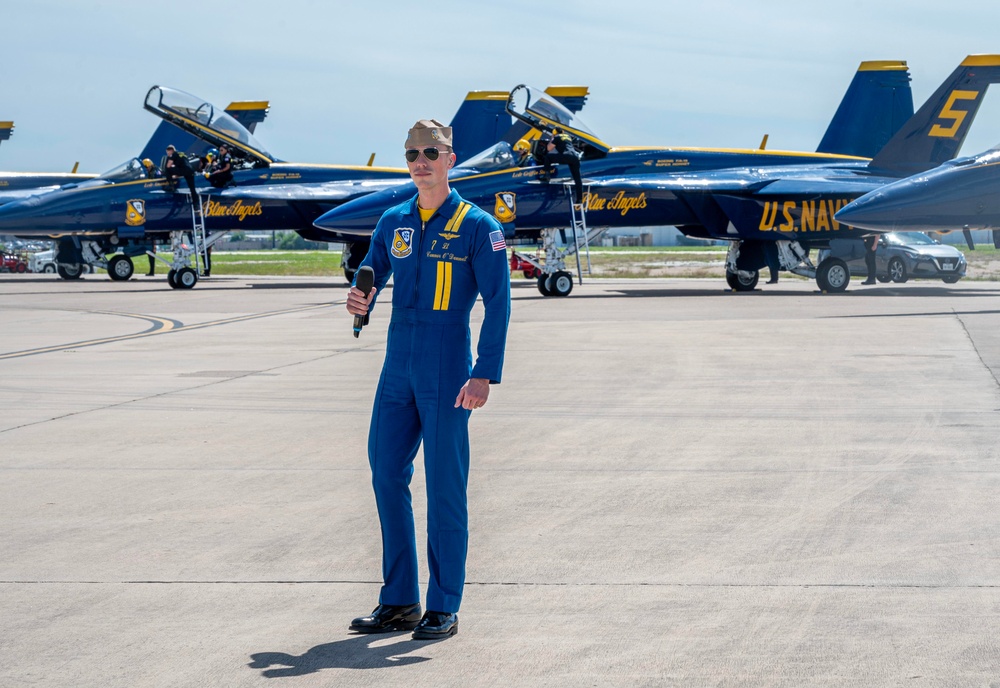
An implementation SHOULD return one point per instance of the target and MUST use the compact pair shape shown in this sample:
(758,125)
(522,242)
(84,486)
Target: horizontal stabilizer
(6,129)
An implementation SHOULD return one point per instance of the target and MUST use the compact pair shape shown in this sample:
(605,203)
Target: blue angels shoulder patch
(402,242)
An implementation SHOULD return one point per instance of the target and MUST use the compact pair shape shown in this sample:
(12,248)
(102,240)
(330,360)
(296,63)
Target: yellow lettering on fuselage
(621,202)
(237,208)
(801,216)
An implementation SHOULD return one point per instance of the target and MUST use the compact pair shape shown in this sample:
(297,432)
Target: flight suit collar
(446,210)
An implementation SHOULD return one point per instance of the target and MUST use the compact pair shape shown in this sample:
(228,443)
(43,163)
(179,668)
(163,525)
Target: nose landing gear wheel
(559,284)
(543,286)
(186,278)
(171,274)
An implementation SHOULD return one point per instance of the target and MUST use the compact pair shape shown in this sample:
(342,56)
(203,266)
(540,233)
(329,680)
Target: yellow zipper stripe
(439,287)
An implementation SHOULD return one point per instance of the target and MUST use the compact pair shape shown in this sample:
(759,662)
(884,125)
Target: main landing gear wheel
(186,278)
(120,268)
(70,271)
(543,286)
(897,271)
(742,281)
(559,284)
(833,275)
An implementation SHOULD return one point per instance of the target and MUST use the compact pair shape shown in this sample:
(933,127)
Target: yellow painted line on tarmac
(159,326)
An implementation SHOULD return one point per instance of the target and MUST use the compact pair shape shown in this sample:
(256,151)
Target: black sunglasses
(429,153)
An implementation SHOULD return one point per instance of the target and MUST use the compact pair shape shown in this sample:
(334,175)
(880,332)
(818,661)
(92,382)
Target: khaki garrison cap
(428,132)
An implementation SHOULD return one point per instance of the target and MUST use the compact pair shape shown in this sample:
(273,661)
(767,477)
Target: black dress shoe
(388,618)
(868,282)
(435,626)
(772,281)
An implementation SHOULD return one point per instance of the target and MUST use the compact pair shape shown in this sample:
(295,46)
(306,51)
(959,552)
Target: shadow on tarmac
(357,652)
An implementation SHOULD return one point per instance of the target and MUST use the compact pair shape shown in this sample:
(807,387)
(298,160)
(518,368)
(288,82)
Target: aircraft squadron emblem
(135,212)
(506,207)
(402,242)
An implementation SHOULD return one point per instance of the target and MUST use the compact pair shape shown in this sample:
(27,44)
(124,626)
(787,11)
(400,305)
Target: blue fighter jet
(754,199)
(122,211)
(18,185)
(962,194)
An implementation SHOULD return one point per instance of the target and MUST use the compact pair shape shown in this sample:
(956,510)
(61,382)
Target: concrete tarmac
(675,485)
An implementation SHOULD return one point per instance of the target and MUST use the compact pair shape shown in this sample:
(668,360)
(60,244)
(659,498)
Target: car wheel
(50,268)
(897,271)
(742,281)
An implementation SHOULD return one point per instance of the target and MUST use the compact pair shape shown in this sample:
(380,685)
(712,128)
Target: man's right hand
(357,303)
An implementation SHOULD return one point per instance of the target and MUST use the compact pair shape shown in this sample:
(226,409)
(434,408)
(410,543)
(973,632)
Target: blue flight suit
(439,269)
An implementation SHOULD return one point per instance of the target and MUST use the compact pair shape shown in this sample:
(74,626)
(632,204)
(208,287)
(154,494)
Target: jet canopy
(539,110)
(207,122)
(129,171)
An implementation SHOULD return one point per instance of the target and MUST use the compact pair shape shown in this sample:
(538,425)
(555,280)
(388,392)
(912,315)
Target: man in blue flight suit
(443,253)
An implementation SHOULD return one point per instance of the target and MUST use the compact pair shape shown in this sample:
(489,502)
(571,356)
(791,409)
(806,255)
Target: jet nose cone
(881,210)
(362,214)
(16,214)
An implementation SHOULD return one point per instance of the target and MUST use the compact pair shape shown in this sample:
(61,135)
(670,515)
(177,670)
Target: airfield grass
(605,262)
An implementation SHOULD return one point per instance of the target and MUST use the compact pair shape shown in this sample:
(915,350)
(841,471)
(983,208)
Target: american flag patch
(498,241)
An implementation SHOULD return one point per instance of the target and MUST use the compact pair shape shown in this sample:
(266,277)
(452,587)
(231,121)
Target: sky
(347,78)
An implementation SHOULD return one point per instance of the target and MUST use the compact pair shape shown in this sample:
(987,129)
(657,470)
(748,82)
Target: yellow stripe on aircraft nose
(442,291)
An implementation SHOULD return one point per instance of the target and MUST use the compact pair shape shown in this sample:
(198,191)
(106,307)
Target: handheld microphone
(365,282)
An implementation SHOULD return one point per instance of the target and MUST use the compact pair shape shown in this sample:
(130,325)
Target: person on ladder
(560,149)
(177,166)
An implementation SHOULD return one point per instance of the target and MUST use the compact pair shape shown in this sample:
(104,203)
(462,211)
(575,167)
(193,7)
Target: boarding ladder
(181,274)
(554,279)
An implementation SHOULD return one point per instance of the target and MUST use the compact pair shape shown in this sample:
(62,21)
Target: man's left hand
(473,394)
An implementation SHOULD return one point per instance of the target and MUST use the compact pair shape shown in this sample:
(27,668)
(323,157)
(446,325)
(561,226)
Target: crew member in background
(522,153)
(221,172)
(560,149)
(152,171)
(177,166)
(871,245)
(772,260)
(442,253)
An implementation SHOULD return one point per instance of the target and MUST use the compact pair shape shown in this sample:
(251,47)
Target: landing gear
(185,278)
(120,268)
(743,280)
(351,258)
(171,274)
(833,275)
(559,283)
(70,271)
(543,286)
